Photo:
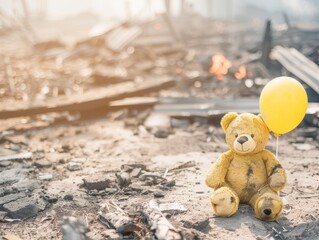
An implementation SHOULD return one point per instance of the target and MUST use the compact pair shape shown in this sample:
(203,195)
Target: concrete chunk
(11,197)
(97,182)
(22,208)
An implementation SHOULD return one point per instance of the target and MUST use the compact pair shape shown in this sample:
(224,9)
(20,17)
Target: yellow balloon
(283,104)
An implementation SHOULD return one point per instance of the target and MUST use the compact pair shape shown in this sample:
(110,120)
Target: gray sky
(58,9)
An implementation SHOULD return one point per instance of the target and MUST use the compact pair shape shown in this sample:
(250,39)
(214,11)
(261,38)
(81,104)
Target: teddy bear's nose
(267,211)
(242,139)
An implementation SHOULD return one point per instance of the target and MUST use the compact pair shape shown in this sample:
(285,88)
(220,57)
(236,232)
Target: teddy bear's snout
(244,143)
(267,211)
(242,139)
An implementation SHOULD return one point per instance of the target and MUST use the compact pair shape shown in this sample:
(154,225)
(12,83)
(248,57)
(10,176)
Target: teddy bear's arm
(276,174)
(217,174)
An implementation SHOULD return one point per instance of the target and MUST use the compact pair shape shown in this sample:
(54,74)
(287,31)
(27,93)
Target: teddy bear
(247,173)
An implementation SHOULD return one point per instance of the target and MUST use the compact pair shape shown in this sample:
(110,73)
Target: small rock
(97,183)
(25,184)
(74,229)
(136,172)
(123,179)
(10,198)
(162,133)
(43,163)
(5,163)
(2,215)
(201,225)
(66,148)
(130,167)
(50,198)
(61,161)
(158,194)
(172,208)
(74,166)
(304,146)
(45,176)
(11,176)
(68,197)
(169,184)
(22,208)
(41,203)
(110,190)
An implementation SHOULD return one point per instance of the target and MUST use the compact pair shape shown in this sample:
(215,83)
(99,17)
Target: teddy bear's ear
(262,121)
(227,119)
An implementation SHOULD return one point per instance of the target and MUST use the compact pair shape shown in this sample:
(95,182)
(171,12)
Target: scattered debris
(43,163)
(199,225)
(172,208)
(97,183)
(158,194)
(21,208)
(74,229)
(11,197)
(113,216)
(90,100)
(45,176)
(74,166)
(19,156)
(161,227)
(304,146)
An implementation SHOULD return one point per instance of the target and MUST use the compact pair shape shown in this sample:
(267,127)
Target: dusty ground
(102,146)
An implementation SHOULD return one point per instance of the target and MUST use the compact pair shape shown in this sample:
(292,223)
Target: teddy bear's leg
(224,201)
(267,205)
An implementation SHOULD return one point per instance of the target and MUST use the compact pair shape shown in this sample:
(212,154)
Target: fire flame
(242,72)
(220,66)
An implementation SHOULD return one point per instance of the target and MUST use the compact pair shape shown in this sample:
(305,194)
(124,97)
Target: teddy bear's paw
(224,201)
(277,181)
(268,207)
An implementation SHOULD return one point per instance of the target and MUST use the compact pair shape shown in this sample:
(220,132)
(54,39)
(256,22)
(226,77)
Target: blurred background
(71,53)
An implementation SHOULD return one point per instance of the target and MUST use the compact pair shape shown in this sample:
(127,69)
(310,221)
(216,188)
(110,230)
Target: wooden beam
(90,100)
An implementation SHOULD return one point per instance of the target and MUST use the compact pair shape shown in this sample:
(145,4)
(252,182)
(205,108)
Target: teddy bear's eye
(252,135)
(236,135)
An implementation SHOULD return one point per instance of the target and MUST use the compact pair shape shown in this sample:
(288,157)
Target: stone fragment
(22,208)
(43,163)
(11,197)
(97,183)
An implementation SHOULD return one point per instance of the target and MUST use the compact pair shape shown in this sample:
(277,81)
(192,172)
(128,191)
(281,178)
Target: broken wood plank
(134,102)
(296,63)
(90,100)
(162,228)
(113,216)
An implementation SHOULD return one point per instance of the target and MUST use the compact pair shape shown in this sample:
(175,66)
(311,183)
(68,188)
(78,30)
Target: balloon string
(277,146)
